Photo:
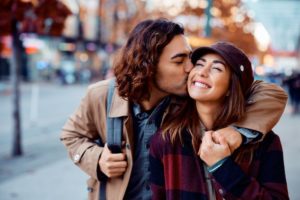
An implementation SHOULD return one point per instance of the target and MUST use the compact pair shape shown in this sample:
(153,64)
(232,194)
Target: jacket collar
(119,106)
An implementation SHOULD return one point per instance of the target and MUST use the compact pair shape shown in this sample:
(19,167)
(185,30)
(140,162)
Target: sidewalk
(45,172)
(60,180)
(5,88)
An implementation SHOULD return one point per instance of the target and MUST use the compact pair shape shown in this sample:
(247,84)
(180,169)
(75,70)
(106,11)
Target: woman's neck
(208,112)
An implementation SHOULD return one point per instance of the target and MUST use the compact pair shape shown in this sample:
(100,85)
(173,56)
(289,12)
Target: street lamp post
(207,31)
(17,147)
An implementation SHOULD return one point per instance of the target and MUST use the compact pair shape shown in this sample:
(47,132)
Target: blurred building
(280,19)
(96,28)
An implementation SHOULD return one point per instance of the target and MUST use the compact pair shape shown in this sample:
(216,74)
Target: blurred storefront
(5,53)
(280,19)
(97,28)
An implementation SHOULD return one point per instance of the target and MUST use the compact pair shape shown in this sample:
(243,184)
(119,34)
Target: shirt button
(76,158)
(148,187)
(221,191)
(148,145)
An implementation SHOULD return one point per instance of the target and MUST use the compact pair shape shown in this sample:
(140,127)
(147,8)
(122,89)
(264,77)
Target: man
(151,74)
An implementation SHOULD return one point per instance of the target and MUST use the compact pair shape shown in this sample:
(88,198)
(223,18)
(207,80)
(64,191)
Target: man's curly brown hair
(136,64)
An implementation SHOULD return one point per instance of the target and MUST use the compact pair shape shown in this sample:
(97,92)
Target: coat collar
(119,106)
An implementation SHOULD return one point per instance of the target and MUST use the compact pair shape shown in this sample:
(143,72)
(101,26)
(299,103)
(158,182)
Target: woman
(188,160)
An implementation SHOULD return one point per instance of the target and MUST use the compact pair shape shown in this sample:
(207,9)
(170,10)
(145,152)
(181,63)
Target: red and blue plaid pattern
(178,173)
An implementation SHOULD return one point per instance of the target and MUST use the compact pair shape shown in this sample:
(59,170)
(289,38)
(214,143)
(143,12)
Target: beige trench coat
(89,123)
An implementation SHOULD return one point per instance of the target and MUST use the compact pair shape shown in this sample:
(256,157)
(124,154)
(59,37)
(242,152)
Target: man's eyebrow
(180,55)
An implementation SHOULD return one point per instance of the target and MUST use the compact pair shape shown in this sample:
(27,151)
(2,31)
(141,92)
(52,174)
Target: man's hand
(232,137)
(211,152)
(112,165)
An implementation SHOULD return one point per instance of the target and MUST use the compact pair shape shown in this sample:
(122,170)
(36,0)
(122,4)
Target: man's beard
(155,83)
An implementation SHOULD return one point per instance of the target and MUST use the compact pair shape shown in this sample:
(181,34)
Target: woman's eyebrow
(202,59)
(219,61)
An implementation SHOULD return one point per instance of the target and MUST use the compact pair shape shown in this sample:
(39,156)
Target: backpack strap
(114,127)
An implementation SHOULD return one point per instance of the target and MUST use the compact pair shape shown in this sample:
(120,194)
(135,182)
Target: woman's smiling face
(209,80)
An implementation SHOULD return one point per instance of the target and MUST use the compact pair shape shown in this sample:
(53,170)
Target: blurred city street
(52,50)
(45,171)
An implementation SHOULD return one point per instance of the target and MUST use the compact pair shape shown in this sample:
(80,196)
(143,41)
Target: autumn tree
(230,21)
(43,17)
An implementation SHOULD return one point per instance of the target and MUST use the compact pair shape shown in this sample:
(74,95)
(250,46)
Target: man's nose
(188,67)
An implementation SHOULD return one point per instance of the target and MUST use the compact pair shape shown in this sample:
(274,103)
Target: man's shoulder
(96,92)
(103,84)
(99,88)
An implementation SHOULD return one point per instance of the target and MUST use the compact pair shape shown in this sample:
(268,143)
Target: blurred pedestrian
(218,86)
(151,74)
(293,85)
(297,96)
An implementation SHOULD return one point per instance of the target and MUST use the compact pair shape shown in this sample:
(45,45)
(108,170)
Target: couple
(151,95)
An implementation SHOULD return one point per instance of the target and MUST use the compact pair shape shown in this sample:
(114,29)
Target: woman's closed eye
(199,63)
(218,67)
